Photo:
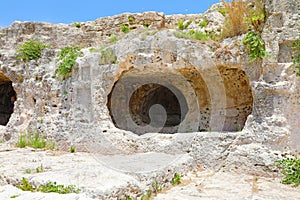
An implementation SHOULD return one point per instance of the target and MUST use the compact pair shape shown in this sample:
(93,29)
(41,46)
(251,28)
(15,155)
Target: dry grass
(235,22)
(242,17)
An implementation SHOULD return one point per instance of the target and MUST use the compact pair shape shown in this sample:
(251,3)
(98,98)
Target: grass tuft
(34,140)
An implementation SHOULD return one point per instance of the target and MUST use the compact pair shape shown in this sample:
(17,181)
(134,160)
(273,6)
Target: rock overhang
(211,90)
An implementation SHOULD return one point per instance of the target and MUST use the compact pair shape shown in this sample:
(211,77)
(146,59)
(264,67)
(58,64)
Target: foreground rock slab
(120,176)
(220,186)
(97,176)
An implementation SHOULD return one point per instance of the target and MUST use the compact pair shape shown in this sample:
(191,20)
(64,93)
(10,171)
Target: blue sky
(68,11)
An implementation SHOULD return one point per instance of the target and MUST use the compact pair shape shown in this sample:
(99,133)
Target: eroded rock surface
(229,114)
(121,176)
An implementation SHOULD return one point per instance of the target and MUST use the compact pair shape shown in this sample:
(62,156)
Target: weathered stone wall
(222,89)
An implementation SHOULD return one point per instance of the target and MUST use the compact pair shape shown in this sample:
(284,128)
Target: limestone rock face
(122,95)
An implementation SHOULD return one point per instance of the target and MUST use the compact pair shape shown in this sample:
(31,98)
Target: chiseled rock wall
(77,110)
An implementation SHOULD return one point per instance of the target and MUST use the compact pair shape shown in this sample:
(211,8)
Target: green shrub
(203,24)
(77,24)
(113,39)
(290,168)
(31,50)
(125,28)
(108,57)
(67,59)
(255,45)
(130,19)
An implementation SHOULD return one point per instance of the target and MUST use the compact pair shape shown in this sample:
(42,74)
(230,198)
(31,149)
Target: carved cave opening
(8,97)
(149,95)
(220,102)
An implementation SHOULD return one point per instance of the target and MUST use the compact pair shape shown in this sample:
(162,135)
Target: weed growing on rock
(50,145)
(125,28)
(296,61)
(130,19)
(255,45)
(31,50)
(192,35)
(26,186)
(108,57)
(34,140)
(61,189)
(40,169)
(113,39)
(77,24)
(14,196)
(181,25)
(147,196)
(67,59)
(290,169)
(203,24)
(156,187)
(256,16)
(222,10)
(176,180)
(49,187)
(72,149)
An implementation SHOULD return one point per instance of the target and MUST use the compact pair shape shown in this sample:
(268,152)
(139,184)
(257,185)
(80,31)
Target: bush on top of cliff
(67,59)
(31,50)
